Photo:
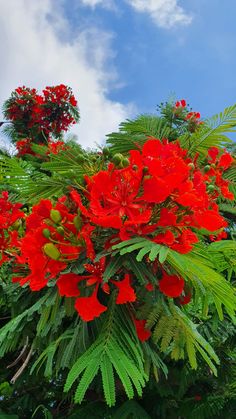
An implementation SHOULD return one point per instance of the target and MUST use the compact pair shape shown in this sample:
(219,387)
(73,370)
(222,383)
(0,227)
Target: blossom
(210,220)
(171,285)
(89,307)
(68,284)
(126,293)
(180,103)
(185,299)
(32,114)
(142,333)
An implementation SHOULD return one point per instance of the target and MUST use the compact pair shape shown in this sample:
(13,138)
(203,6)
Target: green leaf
(114,349)
(113,266)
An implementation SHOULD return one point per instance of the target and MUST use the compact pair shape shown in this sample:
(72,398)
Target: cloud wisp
(165,13)
(107,4)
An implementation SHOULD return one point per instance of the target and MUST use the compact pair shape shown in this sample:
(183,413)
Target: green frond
(192,267)
(177,335)
(125,359)
(108,380)
(67,163)
(204,279)
(212,132)
(134,133)
(11,333)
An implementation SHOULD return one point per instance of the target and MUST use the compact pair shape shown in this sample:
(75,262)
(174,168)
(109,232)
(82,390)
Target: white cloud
(165,13)
(93,3)
(39,50)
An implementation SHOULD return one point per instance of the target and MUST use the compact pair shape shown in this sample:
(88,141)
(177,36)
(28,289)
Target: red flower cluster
(9,215)
(181,103)
(54,147)
(90,307)
(193,118)
(58,101)
(54,238)
(24,147)
(35,117)
(162,195)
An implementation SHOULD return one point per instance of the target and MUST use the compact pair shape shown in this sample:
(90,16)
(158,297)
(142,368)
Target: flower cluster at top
(161,194)
(180,110)
(39,117)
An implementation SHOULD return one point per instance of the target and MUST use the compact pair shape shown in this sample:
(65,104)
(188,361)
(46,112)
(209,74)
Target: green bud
(60,230)
(55,216)
(125,162)
(77,222)
(135,167)
(51,251)
(207,168)
(145,169)
(211,188)
(46,233)
(16,225)
(117,158)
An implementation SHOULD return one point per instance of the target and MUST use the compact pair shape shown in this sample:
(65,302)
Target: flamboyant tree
(115,264)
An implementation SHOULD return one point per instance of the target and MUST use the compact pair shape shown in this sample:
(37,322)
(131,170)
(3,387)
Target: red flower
(180,103)
(166,238)
(143,333)
(171,285)
(68,285)
(184,242)
(89,307)
(213,153)
(225,161)
(126,292)
(183,300)
(118,201)
(156,190)
(193,116)
(210,220)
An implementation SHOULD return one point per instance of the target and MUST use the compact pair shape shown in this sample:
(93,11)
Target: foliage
(159,326)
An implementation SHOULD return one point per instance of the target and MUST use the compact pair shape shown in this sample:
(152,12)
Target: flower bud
(16,225)
(211,188)
(117,158)
(46,233)
(55,216)
(207,168)
(51,251)
(77,222)
(125,162)
(145,169)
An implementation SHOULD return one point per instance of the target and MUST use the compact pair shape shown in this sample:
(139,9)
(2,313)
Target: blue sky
(122,57)
(196,61)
